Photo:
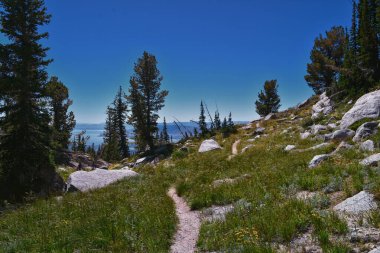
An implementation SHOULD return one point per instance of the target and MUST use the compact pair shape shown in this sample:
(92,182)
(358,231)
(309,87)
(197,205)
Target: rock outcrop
(322,107)
(84,181)
(368,106)
(358,204)
(340,135)
(366,130)
(208,145)
(372,160)
(368,145)
(317,160)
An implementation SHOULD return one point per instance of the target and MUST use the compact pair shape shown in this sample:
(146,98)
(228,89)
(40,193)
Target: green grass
(137,216)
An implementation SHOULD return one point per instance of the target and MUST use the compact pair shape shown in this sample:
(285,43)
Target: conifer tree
(165,135)
(196,132)
(121,110)
(63,121)
(25,147)
(268,99)
(217,122)
(326,60)
(111,151)
(146,99)
(202,121)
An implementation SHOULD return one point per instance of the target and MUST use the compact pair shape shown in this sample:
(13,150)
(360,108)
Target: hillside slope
(266,198)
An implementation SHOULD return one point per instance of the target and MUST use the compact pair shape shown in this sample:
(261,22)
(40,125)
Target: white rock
(360,203)
(365,130)
(367,146)
(315,129)
(290,147)
(323,106)
(332,126)
(371,160)
(368,106)
(377,250)
(305,135)
(317,160)
(141,160)
(208,145)
(247,127)
(85,181)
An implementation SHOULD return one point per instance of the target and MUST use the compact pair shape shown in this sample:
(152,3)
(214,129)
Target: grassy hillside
(137,216)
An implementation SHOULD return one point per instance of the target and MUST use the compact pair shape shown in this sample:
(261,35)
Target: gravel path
(186,237)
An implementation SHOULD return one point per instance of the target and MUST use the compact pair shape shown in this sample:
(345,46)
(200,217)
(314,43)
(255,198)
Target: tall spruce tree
(217,122)
(111,150)
(326,60)
(165,135)
(63,121)
(202,121)
(146,99)
(121,110)
(268,99)
(25,147)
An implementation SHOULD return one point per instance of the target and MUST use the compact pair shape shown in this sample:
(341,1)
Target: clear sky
(220,51)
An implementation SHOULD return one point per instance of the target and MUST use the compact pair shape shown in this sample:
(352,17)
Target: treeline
(35,121)
(345,62)
(138,108)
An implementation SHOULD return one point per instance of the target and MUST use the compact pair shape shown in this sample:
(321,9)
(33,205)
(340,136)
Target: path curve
(234,147)
(186,237)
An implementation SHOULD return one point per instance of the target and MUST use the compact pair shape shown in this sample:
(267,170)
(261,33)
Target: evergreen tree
(121,110)
(230,123)
(202,121)
(165,135)
(196,132)
(268,100)
(217,122)
(146,100)
(25,147)
(326,60)
(63,121)
(111,151)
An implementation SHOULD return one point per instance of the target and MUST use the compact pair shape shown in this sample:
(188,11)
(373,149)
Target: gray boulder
(372,160)
(259,130)
(318,159)
(377,250)
(322,107)
(84,181)
(368,145)
(365,130)
(340,135)
(208,145)
(368,106)
(358,204)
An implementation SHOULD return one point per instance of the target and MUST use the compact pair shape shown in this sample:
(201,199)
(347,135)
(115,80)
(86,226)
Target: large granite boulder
(368,106)
(366,130)
(358,204)
(84,181)
(372,160)
(322,107)
(208,145)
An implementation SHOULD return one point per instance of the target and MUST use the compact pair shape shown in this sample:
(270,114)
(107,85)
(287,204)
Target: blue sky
(220,51)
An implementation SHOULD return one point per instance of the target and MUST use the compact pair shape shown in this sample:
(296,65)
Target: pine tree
(165,135)
(217,122)
(326,60)
(63,121)
(268,99)
(111,151)
(146,100)
(196,132)
(121,110)
(25,146)
(202,121)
